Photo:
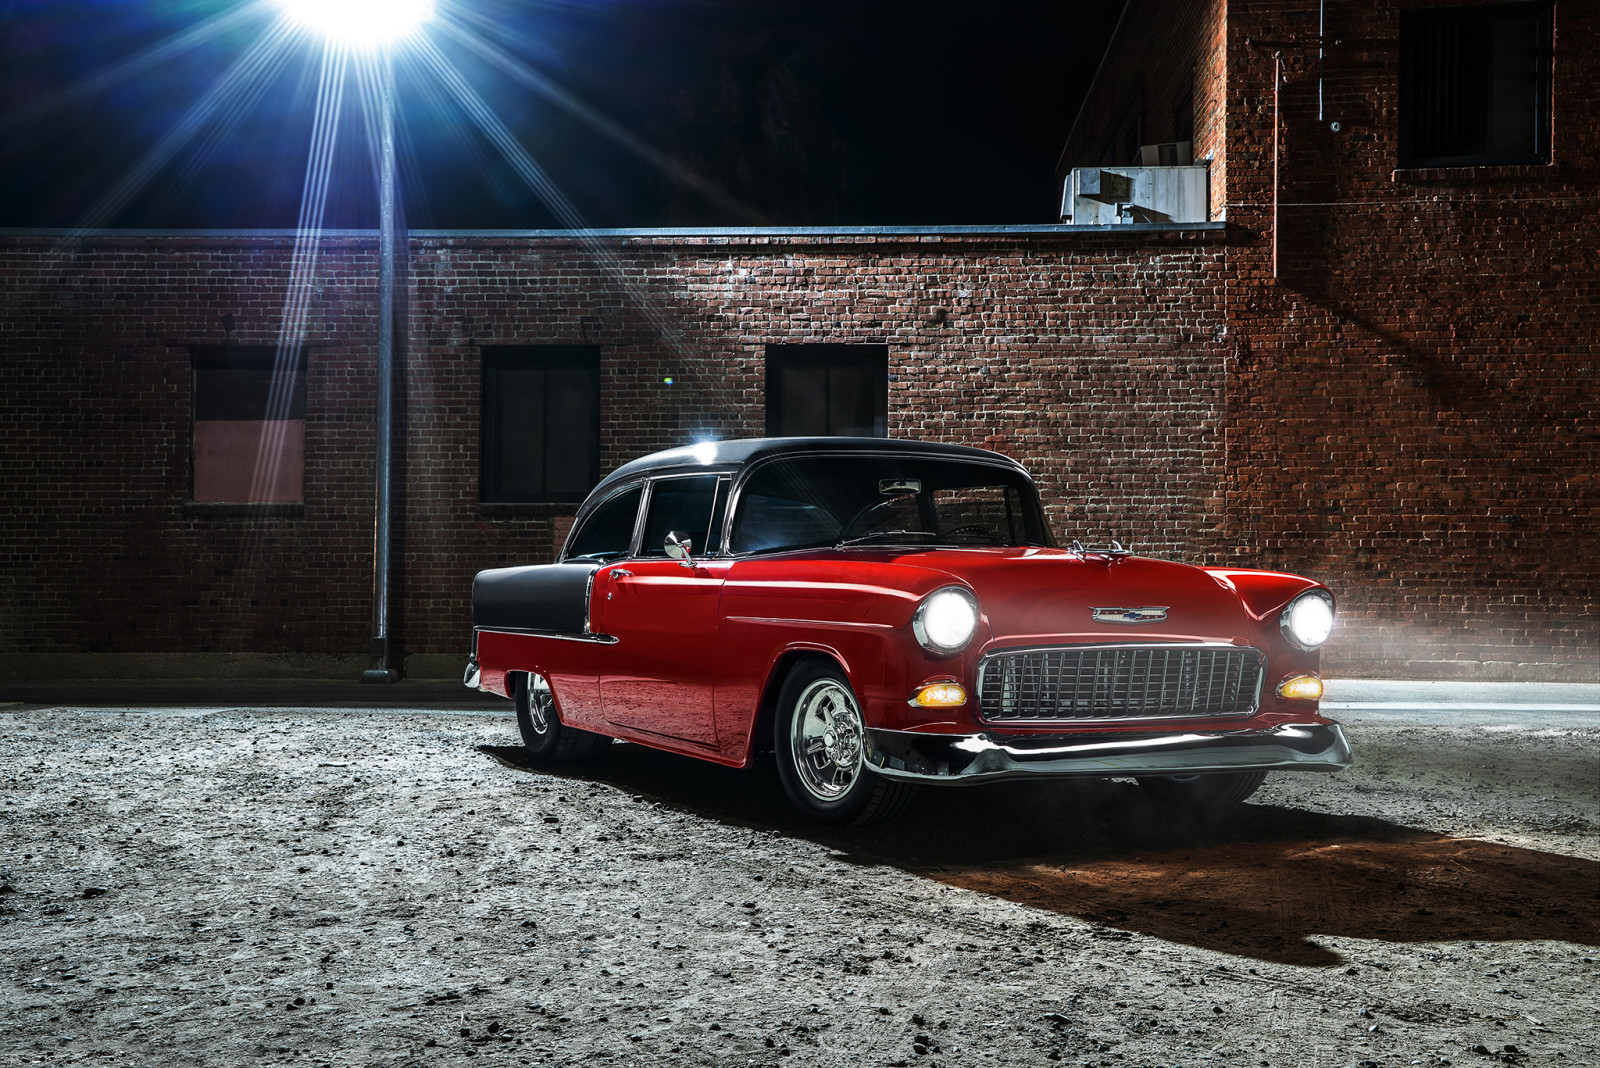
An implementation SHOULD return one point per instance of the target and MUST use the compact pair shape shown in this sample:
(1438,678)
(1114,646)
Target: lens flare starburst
(360,23)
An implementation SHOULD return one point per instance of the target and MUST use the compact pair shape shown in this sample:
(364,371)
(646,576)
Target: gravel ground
(274,886)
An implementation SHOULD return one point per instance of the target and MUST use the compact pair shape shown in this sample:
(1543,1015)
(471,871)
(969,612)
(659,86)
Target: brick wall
(1092,357)
(1414,400)
(1414,386)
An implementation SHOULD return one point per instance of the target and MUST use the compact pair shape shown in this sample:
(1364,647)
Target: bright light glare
(363,23)
(948,618)
(1310,620)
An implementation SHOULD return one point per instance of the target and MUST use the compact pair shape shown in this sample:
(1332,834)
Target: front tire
(545,737)
(1203,791)
(821,742)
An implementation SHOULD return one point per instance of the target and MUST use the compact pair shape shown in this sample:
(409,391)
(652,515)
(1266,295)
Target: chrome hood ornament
(1154,614)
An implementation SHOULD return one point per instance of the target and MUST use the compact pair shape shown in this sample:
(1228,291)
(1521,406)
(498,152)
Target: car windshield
(812,501)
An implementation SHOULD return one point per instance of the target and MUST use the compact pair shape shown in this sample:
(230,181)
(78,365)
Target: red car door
(664,616)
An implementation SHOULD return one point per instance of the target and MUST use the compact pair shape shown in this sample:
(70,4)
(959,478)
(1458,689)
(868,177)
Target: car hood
(1052,595)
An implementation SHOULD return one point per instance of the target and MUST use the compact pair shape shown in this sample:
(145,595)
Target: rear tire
(1203,791)
(821,739)
(546,738)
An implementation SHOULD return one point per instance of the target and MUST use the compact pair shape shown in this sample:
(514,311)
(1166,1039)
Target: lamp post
(376,25)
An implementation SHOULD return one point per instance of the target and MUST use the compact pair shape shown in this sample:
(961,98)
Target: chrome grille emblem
(1153,614)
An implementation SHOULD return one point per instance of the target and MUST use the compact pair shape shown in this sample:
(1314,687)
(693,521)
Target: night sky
(654,113)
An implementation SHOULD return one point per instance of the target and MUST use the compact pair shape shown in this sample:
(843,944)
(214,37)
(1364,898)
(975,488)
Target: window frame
(736,500)
(873,357)
(495,358)
(578,527)
(247,357)
(1540,12)
(716,525)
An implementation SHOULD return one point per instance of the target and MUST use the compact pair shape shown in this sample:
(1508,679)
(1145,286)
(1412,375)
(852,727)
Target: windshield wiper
(842,542)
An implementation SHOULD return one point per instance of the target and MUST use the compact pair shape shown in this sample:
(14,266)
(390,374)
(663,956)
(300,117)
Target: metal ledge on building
(652,232)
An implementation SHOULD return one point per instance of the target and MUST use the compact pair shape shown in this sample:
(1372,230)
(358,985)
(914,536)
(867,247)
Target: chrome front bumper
(965,758)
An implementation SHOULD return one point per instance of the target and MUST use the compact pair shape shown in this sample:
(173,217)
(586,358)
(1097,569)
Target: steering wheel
(972,528)
(867,509)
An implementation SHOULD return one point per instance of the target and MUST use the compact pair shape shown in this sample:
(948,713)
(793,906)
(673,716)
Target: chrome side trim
(602,639)
(840,623)
(588,601)
(954,759)
(984,663)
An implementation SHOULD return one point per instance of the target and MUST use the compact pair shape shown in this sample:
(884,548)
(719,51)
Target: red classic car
(884,613)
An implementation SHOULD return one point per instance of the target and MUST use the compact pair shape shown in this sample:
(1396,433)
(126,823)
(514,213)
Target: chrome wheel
(821,741)
(539,702)
(827,739)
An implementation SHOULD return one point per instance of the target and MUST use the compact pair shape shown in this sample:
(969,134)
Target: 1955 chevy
(882,613)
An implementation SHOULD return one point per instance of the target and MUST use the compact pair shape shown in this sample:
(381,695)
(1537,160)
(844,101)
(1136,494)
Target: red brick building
(1412,309)
(1402,402)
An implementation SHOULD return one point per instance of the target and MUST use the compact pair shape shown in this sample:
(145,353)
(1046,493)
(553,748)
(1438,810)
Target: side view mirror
(679,546)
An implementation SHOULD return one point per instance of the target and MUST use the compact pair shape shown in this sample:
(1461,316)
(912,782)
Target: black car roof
(729,455)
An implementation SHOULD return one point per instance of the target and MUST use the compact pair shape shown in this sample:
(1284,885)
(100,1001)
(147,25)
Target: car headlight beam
(1307,620)
(946,620)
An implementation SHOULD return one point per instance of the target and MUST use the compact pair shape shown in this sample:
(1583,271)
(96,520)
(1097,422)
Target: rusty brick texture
(1095,358)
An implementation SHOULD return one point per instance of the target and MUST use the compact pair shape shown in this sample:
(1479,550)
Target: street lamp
(360,23)
(376,25)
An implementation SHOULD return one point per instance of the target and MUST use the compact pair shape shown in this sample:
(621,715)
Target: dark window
(682,504)
(1475,86)
(249,429)
(828,390)
(541,423)
(1183,114)
(608,532)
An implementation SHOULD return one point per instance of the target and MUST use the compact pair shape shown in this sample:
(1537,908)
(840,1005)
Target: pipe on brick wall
(1277,82)
(383,670)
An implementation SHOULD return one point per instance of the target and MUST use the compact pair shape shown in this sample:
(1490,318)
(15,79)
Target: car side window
(684,504)
(608,532)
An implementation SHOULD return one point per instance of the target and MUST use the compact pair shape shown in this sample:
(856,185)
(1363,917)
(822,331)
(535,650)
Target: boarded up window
(828,390)
(249,427)
(541,423)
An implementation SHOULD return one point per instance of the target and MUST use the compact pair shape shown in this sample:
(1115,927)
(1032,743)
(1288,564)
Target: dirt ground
(350,887)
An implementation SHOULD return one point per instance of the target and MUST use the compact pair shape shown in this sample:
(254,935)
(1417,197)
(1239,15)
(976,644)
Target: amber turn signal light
(940,695)
(1301,688)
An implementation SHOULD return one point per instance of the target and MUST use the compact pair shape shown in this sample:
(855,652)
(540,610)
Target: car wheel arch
(783,665)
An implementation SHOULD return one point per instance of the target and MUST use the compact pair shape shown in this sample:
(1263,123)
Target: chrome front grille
(1071,683)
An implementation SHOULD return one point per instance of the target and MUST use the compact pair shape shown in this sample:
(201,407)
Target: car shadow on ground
(1257,881)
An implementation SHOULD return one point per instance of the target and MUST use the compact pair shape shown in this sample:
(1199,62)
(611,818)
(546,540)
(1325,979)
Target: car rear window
(608,531)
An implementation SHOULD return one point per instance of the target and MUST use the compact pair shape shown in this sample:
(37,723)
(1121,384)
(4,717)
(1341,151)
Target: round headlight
(946,620)
(1308,619)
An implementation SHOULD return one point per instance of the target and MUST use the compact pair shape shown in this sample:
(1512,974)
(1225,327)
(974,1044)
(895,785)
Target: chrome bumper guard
(473,676)
(965,758)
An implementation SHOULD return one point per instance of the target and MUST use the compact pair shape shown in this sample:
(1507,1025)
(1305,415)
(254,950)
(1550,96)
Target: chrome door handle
(621,572)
